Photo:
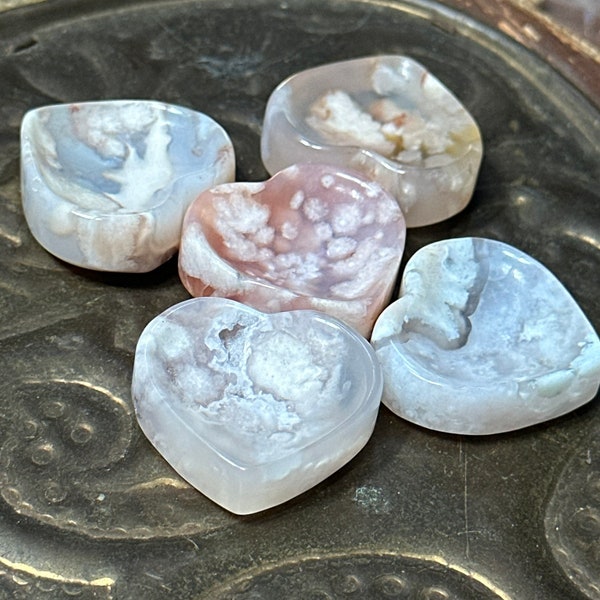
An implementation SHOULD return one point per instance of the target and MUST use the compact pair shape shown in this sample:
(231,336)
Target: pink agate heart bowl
(387,117)
(253,409)
(311,237)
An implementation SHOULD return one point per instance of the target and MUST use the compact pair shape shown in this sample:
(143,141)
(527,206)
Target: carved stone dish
(313,236)
(253,409)
(386,116)
(484,339)
(105,184)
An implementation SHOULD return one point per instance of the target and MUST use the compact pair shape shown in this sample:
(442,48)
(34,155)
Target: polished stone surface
(89,508)
(312,236)
(254,409)
(105,185)
(484,339)
(386,116)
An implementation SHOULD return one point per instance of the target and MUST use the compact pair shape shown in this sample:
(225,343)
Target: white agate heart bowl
(387,117)
(105,185)
(253,409)
(484,339)
(311,237)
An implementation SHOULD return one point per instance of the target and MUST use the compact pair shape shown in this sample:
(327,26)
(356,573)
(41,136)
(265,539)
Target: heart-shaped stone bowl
(386,116)
(311,237)
(484,339)
(105,185)
(253,409)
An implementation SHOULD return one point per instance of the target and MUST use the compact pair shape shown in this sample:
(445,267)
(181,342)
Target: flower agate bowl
(484,339)
(253,409)
(387,117)
(311,237)
(105,184)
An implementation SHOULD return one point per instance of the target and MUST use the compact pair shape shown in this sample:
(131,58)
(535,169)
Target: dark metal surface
(528,22)
(89,510)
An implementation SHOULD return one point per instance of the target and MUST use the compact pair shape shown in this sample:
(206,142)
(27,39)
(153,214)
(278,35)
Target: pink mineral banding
(311,237)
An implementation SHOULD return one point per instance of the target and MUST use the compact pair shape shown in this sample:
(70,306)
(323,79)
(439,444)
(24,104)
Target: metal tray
(89,510)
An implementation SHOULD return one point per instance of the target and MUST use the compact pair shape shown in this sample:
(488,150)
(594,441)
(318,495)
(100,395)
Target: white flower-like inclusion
(313,236)
(105,185)
(253,409)
(387,117)
(484,339)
